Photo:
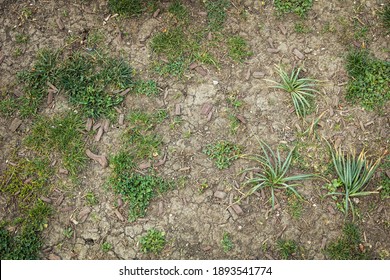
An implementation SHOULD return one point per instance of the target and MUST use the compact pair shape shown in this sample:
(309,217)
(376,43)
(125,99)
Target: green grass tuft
(88,78)
(287,248)
(216,13)
(179,11)
(23,184)
(347,246)
(299,7)
(274,173)
(153,242)
(369,80)
(126,7)
(385,14)
(61,135)
(238,48)
(223,152)
(354,174)
(226,242)
(300,89)
(135,188)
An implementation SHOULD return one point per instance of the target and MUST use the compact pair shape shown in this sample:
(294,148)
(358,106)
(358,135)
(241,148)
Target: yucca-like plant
(354,173)
(273,174)
(301,89)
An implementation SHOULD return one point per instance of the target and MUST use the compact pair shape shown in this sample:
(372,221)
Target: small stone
(177,110)
(298,54)
(60,24)
(50,97)
(210,36)
(119,215)
(271,50)
(101,159)
(106,125)
(97,125)
(206,109)
(258,75)
(283,29)
(215,83)
(193,65)
(220,194)
(46,199)
(84,213)
(53,257)
(99,134)
(201,71)
(63,171)
(237,209)
(241,119)
(15,124)
(156,13)
(121,119)
(248,75)
(88,125)
(144,165)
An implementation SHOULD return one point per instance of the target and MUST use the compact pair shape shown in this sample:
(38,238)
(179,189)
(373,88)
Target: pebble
(298,54)
(220,194)
(15,124)
(237,209)
(258,75)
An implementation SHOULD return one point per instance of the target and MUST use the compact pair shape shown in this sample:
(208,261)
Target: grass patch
(60,134)
(287,248)
(294,204)
(301,28)
(299,7)
(300,89)
(88,78)
(385,15)
(142,145)
(135,188)
(216,13)
(223,152)
(126,7)
(35,81)
(174,67)
(173,43)
(348,246)
(147,88)
(226,242)
(274,173)
(238,48)
(23,184)
(369,80)
(179,11)
(354,174)
(106,246)
(141,119)
(385,180)
(153,242)
(8,105)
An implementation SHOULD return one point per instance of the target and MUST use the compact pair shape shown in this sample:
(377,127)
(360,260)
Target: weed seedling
(299,7)
(223,152)
(238,48)
(354,174)
(60,135)
(153,242)
(348,246)
(226,242)
(106,246)
(301,89)
(288,249)
(274,173)
(216,13)
(369,80)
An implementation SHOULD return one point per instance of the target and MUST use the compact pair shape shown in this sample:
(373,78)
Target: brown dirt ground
(195,222)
